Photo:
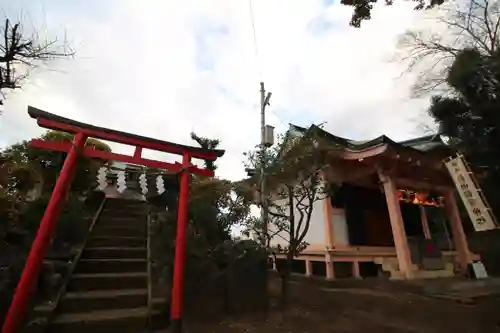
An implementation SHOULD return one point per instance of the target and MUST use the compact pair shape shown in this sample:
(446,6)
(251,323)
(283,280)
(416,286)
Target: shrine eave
(420,146)
(388,149)
(54,122)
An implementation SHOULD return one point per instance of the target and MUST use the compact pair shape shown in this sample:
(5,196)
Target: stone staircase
(108,291)
(391,266)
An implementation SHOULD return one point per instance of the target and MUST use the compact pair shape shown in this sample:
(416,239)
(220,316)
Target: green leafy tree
(363,8)
(470,117)
(207,143)
(22,167)
(213,256)
(295,177)
(214,208)
(45,165)
(465,81)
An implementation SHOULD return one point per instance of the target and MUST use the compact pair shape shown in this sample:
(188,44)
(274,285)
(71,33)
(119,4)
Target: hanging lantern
(420,198)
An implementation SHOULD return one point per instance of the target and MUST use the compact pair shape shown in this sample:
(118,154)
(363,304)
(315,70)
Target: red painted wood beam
(42,122)
(180,250)
(27,282)
(138,152)
(136,159)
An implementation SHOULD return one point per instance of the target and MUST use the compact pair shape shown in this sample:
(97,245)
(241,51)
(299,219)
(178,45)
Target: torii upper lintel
(54,122)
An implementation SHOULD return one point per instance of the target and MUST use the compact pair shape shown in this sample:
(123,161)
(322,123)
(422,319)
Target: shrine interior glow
(419,198)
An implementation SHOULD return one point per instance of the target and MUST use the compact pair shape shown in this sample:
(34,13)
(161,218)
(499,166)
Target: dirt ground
(363,307)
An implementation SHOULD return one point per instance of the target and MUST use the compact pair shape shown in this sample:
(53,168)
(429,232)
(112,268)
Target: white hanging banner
(121,182)
(160,185)
(143,182)
(479,213)
(102,178)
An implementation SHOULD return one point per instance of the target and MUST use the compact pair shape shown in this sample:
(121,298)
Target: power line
(255,44)
(257,56)
(284,123)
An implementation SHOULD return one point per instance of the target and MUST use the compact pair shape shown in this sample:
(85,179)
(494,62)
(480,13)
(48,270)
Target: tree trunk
(227,301)
(267,280)
(285,279)
(266,294)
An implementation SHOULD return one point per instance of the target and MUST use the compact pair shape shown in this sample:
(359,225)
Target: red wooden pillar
(397,224)
(43,238)
(457,231)
(180,247)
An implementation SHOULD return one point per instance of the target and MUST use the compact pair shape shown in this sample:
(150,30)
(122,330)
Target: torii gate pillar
(44,234)
(82,131)
(180,248)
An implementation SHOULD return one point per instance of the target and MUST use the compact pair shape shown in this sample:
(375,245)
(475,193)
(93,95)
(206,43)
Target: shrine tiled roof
(421,144)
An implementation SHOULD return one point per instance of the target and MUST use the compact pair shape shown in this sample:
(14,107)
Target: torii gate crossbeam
(74,150)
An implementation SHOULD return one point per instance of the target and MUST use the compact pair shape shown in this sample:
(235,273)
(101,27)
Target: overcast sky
(165,68)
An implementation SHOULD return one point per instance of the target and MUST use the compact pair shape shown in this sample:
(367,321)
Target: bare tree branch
(474,26)
(20,52)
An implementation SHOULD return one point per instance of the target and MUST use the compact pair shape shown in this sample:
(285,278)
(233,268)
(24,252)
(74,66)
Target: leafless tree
(295,180)
(430,54)
(20,52)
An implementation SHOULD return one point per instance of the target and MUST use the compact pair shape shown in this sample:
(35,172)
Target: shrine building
(394,214)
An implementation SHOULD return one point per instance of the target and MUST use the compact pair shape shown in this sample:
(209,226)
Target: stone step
(114,253)
(103,299)
(118,202)
(107,281)
(124,214)
(390,266)
(397,275)
(121,213)
(160,318)
(449,266)
(111,265)
(125,211)
(395,267)
(125,231)
(113,241)
(123,221)
(102,321)
(433,274)
(160,315)
(159,303)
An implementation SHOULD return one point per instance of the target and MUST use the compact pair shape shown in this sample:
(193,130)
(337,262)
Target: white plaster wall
(277,240)
(340,229)
(316,232)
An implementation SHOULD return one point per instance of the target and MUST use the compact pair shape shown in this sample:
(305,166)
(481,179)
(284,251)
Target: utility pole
(264,101)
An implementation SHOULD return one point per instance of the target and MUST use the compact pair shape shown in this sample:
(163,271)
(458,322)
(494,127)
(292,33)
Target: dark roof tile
(420,144)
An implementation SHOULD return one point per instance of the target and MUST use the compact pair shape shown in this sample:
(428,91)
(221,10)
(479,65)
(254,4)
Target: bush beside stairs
(108,291)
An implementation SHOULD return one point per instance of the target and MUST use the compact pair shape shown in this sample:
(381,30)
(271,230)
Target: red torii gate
(77,148)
